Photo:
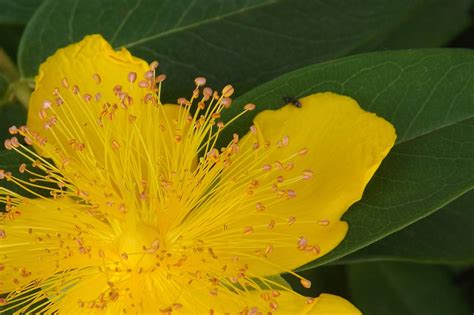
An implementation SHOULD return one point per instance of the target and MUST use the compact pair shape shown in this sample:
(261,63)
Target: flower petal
(49,244)
(301,169)
(275,302)
(93,112)
(89,68)
(328,304)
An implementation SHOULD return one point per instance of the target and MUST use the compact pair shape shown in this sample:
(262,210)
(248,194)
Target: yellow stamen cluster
(137,196)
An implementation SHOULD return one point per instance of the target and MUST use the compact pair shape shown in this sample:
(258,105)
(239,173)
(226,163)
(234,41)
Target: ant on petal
(292,100)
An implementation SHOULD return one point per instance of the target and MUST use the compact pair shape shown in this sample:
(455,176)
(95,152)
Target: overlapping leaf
(400,288)
(17,11)
(444,237)
(241,42)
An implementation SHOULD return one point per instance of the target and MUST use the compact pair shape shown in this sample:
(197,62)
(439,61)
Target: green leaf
(10,39)
(443,237)
(429,25)
(428,95)
(3,88)
(17,11)
(241,42)
(400,288)
(325,279)
(10,161)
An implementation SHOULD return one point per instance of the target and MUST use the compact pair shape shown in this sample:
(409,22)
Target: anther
(13,130)
(253,129)
(291,193)
(154,65)
(227,91)
(28,141)
(235,138)
(87,97)
(207,92)
(302,242)
(271,225)
(75,89)
(155,244)
(303,151)
(267,167)
(306,283)
(160,78)
(323,222)
(248,230)
(260,206)
(143,84)
(3,234)
(65,83)
(268,249)
(200,81)
(307,174)
(96,78)
(47,104)
(115,144)
(273,305)
(226,101)
(148,75)
(291,220)
(42,114)
(148,98)
(132,77)
(8,144)
(249,107)
(22,168)
(182,101)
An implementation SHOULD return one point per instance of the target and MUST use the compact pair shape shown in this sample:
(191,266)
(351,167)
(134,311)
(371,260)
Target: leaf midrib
(197,24)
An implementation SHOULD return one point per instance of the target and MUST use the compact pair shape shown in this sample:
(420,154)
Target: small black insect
(292,100)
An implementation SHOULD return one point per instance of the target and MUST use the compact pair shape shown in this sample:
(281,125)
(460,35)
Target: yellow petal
(300,218)
(48,243)
(277,302)
(89,68)
(93,113)
(328,304)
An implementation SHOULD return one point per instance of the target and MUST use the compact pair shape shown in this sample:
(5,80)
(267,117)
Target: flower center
(137,245)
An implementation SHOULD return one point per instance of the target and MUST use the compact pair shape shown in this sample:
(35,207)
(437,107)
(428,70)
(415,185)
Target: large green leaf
(325,279)
(17,11)
(429,97)
(240,42)
(4,83)
(444,237)
(400,288)
(10,38)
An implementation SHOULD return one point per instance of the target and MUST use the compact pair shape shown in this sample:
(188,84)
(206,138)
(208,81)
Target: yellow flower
(147,215)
